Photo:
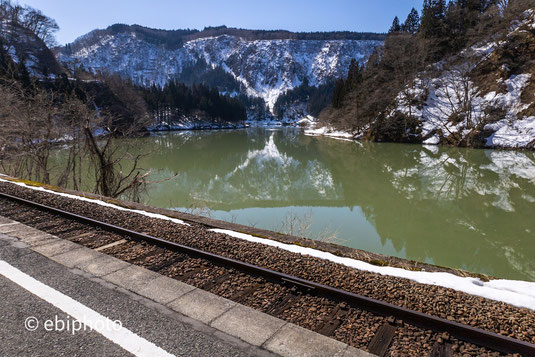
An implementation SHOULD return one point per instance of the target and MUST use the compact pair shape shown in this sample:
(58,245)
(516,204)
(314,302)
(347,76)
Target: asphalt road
(167,330)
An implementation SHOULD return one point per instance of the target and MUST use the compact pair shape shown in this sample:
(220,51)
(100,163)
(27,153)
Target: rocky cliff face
(263,68)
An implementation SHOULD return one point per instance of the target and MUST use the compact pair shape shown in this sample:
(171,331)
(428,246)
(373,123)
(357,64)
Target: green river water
(461,208)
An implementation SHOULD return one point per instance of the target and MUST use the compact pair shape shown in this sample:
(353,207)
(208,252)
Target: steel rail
(460,331)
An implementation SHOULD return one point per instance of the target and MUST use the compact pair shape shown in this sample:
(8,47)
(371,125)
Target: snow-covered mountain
(264,67)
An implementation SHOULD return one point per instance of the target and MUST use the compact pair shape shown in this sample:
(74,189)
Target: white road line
(125,338)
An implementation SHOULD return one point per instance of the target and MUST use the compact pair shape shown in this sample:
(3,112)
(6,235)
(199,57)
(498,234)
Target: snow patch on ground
(299,121)
(515,134)
(447,96)
(306,121)
(193,126)
(98,202)
(455,108)
(329,132)
(517,293)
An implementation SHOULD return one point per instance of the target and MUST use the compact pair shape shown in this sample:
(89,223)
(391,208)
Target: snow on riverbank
(201,125)
(326,131)
(98,202)
(455,108)
(513,134)
(192,124)
(514,292)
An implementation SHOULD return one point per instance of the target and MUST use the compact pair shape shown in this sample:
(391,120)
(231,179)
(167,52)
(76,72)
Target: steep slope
(264,67)
(481,94)
(22,44)
(485,96)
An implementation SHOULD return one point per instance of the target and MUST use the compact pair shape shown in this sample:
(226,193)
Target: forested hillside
(25,37)
(173,39)
(176,103)
(304,100)
(462,75)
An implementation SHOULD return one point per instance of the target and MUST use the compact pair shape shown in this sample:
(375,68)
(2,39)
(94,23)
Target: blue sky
(77,17)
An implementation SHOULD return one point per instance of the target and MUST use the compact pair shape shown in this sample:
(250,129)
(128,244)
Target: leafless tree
(42,26)
(33,123)
(503,5)
(107,158)
(34,20)
(462,113)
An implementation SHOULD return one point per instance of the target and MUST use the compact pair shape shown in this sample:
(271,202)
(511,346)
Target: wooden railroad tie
(190,273)
(153,252)
(77,236)
(441,350)
(286,302)
(161,266)
(104,247)
(215,281)
(242,294)
(383,338)
(333,320)
(66,230)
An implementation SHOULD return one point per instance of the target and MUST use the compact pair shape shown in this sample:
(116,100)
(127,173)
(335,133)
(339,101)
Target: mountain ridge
(264,68)
(186,35)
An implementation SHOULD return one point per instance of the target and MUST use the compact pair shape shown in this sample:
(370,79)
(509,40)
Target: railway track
(278,294)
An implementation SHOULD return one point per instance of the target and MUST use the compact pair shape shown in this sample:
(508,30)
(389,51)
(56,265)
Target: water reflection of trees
(468,208)
(440,203)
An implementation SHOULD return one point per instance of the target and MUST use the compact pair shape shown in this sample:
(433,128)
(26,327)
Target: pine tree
(433,15)
(22,74)
(6,62)
(338,94)
(354,76)
(396,27)
(412,23)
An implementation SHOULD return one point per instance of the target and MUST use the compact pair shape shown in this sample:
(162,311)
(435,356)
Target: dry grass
(301,226)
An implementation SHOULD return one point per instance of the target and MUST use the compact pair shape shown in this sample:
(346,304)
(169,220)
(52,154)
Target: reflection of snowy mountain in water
(269,175)
(451,177)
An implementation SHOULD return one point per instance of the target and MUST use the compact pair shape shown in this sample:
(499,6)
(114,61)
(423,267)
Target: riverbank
(201,125)
(519,142)
(194,125)
(517,136)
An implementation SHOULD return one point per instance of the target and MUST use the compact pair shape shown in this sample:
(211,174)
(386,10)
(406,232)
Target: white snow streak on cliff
(266,68)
